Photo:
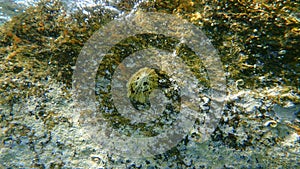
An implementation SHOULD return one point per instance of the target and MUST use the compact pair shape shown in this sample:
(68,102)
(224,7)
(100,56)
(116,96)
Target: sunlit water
(10,8)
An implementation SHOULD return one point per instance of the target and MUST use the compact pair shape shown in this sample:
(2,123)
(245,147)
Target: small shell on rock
(271,123)
(239,83)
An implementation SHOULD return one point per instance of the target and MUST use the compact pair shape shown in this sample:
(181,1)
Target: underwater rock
(288,114)
(258,43)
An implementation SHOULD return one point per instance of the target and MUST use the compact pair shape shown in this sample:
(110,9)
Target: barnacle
(140,86)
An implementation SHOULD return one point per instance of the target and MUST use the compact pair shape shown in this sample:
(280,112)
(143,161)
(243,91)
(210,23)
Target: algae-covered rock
(255,38)
(258,42)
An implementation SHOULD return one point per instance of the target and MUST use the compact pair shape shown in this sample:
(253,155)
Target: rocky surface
(258,42)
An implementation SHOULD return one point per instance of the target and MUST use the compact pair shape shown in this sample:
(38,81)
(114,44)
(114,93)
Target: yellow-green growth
(141,84)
